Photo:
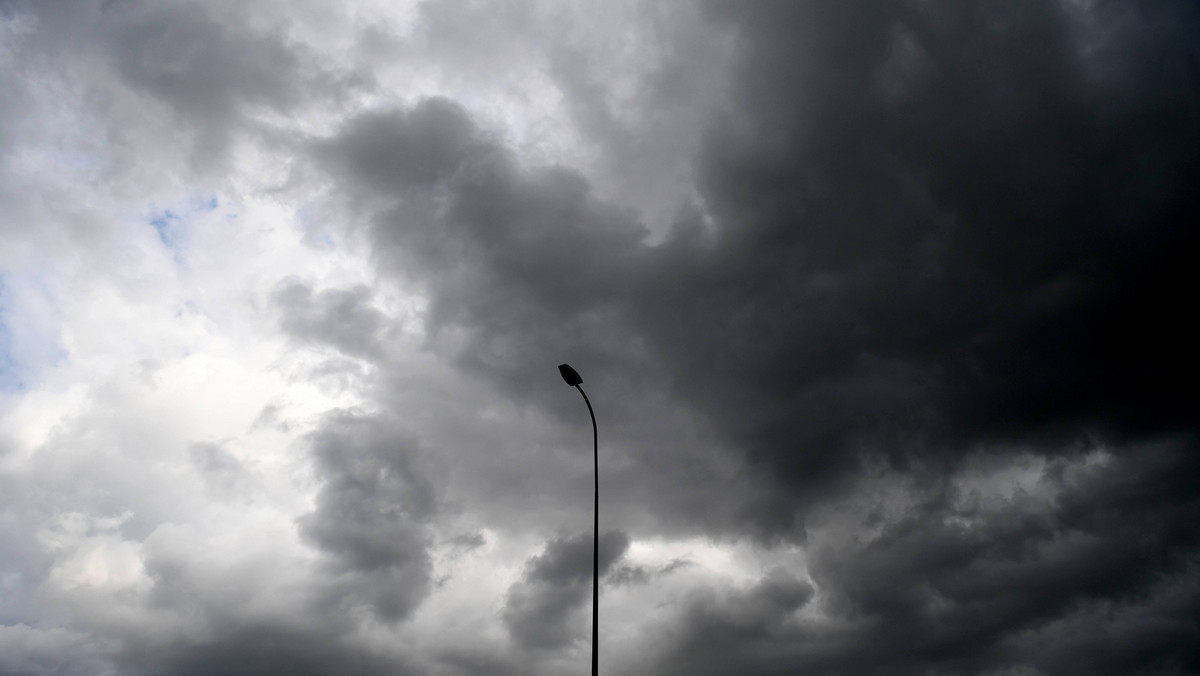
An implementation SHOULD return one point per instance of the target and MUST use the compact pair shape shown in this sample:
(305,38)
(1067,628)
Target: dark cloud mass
(1098,580)
(981,243)
(911,371)
(948,264)
(921,232)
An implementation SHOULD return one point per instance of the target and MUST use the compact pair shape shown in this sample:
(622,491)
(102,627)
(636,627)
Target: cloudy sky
(882,304)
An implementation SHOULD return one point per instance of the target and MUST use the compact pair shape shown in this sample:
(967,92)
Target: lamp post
(572,378)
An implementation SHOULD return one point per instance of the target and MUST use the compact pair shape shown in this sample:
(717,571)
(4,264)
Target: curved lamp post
(575,381)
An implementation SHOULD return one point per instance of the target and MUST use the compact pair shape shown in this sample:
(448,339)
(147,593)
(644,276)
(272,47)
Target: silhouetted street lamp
(575,381)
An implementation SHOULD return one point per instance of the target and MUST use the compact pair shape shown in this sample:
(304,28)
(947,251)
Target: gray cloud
(26,648)
(244,622)
(628,574)
(223,473)
(258,650)
(642,99)
(210,69)
(540,607)
(30,650)
(203,67)
(341,318)
(745,628)
(400,152)
(372,515)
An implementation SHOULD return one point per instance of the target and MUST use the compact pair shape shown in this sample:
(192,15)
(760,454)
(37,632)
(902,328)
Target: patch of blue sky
(204,204)
(25,347)
(168,227)
(11,377)
(187,308)
(314,234)
(73,163)
(172,224)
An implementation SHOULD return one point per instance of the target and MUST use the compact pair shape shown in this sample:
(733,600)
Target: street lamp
(572,378)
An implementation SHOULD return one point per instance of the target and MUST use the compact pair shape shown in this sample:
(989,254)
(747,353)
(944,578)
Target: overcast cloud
(882,305)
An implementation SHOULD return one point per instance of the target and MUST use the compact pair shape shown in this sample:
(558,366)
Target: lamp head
(569,375)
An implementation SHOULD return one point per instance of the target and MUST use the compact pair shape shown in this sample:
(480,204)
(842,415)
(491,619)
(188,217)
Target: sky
(881,304)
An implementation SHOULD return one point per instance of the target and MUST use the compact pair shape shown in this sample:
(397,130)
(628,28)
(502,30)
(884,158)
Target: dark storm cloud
(992,246)
(1099,580)
(372,515)
(540,607)
(922,231)
(920,228)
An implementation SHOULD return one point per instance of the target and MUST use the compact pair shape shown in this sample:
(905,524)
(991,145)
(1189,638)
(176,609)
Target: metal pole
(595,535)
